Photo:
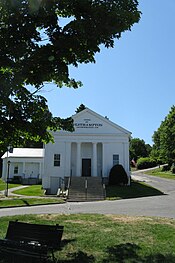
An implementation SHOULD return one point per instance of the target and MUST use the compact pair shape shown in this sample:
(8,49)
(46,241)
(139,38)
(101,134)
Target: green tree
(40,39)
(138,149)
(164,139)
(80,108)
(148,149)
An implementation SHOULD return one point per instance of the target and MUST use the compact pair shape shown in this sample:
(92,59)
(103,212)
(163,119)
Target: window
(56,159)
(115,159)
(16,170)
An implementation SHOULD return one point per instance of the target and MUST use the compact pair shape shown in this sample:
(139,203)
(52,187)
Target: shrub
(144,163)
(166,168)
(117,175)
(173,168)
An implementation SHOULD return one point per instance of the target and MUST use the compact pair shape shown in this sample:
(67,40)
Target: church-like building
(95,146)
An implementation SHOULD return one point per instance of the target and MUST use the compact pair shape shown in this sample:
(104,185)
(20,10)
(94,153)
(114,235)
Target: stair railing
(68,184)
(86,187)
(104,190)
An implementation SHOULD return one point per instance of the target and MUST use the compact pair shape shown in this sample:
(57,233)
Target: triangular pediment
(90,122)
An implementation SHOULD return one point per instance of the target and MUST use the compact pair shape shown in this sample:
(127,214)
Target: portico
(88,159)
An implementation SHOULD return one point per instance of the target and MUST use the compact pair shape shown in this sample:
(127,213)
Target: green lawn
(32,190)
(13,202)
(3,185)
(109,238)
(137,189)
(158,172)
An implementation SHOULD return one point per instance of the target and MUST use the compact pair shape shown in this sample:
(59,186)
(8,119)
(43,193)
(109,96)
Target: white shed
(25,164)
(95,146)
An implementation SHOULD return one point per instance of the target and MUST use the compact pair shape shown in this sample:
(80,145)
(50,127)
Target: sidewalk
(140,176)
(10,191)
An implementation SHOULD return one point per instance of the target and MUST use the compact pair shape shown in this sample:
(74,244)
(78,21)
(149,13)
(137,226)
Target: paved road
(162,206)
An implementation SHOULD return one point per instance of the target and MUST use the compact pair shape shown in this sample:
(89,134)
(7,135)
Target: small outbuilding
(25,165)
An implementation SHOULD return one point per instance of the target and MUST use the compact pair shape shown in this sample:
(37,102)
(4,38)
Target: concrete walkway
(11,190)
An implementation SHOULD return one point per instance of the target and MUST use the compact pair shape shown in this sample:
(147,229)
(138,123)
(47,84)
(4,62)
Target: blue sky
(133,83)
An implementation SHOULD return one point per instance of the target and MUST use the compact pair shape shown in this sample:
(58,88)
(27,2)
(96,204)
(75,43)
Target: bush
(166,168)
(144,163)
(173,168)
(117,175)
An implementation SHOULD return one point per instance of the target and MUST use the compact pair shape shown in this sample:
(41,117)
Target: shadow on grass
(122,253)
(12,255)
(25,202)
(134,191)
(130,253)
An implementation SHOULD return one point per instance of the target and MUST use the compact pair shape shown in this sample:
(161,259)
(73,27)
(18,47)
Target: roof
(25,152)
(104,119)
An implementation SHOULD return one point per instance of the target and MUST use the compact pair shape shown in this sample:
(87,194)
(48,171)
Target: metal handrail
(69,182)
(86,187)
(104,190)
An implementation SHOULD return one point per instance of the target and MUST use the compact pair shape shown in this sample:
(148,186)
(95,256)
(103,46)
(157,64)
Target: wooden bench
(31,240)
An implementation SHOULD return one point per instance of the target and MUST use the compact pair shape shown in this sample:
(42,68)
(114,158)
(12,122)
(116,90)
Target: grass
(137,189)
(158,172)
(17,202)
(109,238)
(33,190)
(3,185)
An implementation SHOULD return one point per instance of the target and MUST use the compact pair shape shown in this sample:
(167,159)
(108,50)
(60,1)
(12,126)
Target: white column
(67,159)
(126,147)
(94,160)
(40,170)
(103,160)
(23,169)
(78,168)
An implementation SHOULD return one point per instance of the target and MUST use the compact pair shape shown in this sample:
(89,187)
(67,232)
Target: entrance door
(86,167)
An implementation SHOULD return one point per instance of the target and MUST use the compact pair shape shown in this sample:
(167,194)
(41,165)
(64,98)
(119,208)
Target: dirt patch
(128,219)
(136,219)
(48,216)
(82,222)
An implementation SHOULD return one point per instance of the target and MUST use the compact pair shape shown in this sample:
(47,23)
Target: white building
(24,163)
(91,150)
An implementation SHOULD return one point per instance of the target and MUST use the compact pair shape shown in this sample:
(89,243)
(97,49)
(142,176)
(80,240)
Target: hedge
(145,162)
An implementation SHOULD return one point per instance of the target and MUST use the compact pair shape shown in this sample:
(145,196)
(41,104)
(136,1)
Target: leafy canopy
(40,39)
(164,139)
(138,149)
(80,108)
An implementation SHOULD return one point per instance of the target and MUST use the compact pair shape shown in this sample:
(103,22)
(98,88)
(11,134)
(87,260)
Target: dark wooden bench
(31,240)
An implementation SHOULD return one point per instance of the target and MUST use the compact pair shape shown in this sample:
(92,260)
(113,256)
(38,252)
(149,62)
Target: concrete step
(78,191)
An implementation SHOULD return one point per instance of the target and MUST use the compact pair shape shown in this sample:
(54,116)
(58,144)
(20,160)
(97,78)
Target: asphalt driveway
(161,206)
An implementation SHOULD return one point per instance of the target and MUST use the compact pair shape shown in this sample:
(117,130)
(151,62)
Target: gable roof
(25,152)
(104,119)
